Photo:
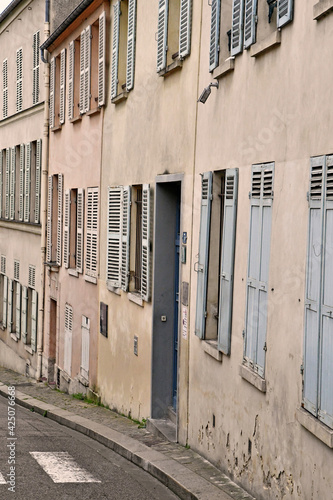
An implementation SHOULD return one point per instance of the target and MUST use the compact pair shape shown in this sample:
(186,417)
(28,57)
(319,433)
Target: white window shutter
(35,68)
(85,340)
(19,79)
(101,58)
(131,38)
(10,305)
(250,16)
(162,34)
(7,181)
(5,88)
(115,50)
(79,230)
(92,233)
(24,312)
(185,26)
(34,317)
(49,220)
(67,227)
(214,46)
(87,70)
(18,311)
(38,179)
(62,86)
(145,265)
(82,68)
(12,183)
(113,237)
(1,180)
(52,90)
(125,237)
(71,71)
(285,11)
(21,201)
(202,269)
(59,219)
(27,182)
(5,301)
(237,27)
(68,339)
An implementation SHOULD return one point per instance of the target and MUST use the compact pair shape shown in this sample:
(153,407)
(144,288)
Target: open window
(73,229)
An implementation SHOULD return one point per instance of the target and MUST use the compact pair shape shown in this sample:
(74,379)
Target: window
(215,266)
(19,80)
(29,311)
(68,339)
(35,67)
(173,31)
(92,233)
(5,88)
(258,267)
(54,219)
(57,89)
(123,47)
(318,352)
(73,229)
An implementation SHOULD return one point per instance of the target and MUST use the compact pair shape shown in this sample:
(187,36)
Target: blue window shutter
(227,260)
(285,11)
(250,16)
(185,28)
(162,34)
(115,50)
(237,27)
(131,38)
(202,270)
(214,45)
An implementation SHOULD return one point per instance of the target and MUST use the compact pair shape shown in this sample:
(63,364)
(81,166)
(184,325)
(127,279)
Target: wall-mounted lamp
(207,91)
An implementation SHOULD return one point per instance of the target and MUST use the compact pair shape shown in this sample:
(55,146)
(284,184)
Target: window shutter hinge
(205,314)
(301,369)
(308,196)
(265,347)
(250,195)
(243,334)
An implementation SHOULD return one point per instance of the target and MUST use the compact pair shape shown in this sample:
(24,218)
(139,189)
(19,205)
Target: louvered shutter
(145,265)
(21,201)
(5,88)
(67,228)
(18,311)
(87,69)
(10,305)
(202,269)
(38,179)
(79,230)
(12,183)
(185,26)
(34,315)
(285,10)
(101,59)
(62,86)
(162,34)
(7,186)
(59,219)
(250,16)
(92,233)
(5,301)
(237,27)
(68,339)
(71,71)
(214,46)
(35,68)
(115,50)
(52,89)
(1,180)
(49,220)
(125,237)
(24,311)
(82,72)
(227,260)
(114,237)
(131,36)
(27,182)
(19,80)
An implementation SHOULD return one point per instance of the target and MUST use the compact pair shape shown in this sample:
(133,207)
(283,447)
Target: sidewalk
(182,470)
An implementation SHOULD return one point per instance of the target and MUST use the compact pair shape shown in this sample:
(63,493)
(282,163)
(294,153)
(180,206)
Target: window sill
(65,376)
(13,336)
(120,98)
(253,378)
(56,129)
(113,289)
(267,44)
(83,380)
(76,119)
(53,266)
(28,349)
(175,66)
(309,422)
(322,8)
(136,298)
(2,327)
(73,272)
(94,111)
(28,227)
(210,347)
(224,69)
(91,279)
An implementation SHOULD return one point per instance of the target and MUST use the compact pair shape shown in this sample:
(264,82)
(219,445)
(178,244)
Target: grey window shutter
(250,17)
(10,305)
(227,260)
(62,86)
(12,183)
(5,301)
(49,220)
(7,181)
(18,311)
(145,264)
(162,34)
(237,27)
(285,11)
(19,79)
(38,179)
(1,180)
(82,68)
(125,237)
(202,269)
(22,172)
(27,182)
(79,230)
(185,27)
(34,317)
(214,45)
(52,90)
(59,219)
(67,228)
(71,71)
(115,50)
(24,323)
(92,233)
(87,69)
(131,36)
(114,237)
(101,59)
(35,68)
(5,88)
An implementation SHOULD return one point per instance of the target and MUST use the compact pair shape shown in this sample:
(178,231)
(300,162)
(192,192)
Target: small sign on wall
(184,322)
(103,319)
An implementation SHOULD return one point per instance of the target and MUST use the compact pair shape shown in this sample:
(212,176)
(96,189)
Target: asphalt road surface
(40,459)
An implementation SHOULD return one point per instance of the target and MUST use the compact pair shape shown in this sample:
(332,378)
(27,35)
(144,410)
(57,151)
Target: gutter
(5,13)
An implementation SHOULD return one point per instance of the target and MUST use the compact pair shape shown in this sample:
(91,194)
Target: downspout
(43,214)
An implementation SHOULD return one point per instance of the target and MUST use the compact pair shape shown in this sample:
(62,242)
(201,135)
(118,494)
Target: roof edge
(5,13)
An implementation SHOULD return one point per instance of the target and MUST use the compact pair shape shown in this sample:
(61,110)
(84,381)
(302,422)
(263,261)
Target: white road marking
(2,479)
(62,468)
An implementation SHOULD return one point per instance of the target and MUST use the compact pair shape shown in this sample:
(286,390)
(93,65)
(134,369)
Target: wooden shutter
(82,72)
(285,11)
(49,219)
(5,88)
(227,260)
(237,27)
(162,34)
(18,310)
(62,86)
(34,316)
(68,339)
(52,90)
(71,72)
(35,68)
(24,323)
(185,26)
(87,69)
(125,238)
(250,16)
(202,264)
(21,200)
(38,179)
(10,305)
(92,233)
(7,186)
(131,36)
(214,46)
(114,237)
(59,219)
(79,230)
(12,183)
(1,180)
(101,59)
(145,265)
(19,79)
(5,301)
(85,340)
(67,227)
(27,182)
(115,50)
